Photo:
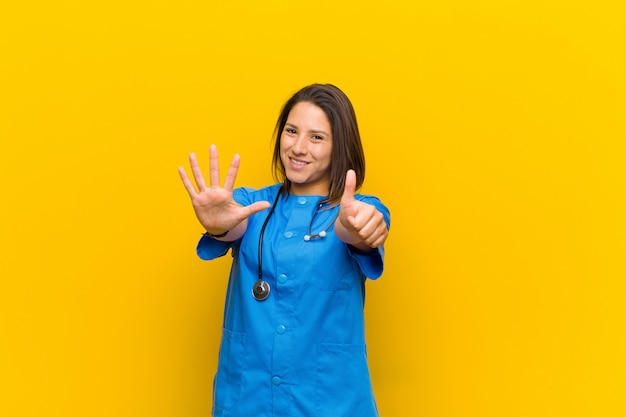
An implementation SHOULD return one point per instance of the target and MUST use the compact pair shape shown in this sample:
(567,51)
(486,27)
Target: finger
(368,221)
(373,236)
(378,241)
(363,214)
(347,199)
(254,208)
(187,182)
(229,182)
(350,186)
(197,172)
(214,167)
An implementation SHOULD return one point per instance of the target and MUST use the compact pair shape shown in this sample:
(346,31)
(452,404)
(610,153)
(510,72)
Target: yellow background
(494,130)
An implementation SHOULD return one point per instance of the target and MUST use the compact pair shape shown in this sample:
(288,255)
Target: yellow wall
(494,130)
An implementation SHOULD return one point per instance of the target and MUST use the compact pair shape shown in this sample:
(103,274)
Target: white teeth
(298,162)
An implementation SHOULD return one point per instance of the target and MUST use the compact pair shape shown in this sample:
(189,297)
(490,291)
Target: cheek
(328,155)
(283,147)
(285,143)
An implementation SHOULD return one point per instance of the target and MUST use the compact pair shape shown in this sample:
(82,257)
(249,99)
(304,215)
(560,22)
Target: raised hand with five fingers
(214,205)
(359,224)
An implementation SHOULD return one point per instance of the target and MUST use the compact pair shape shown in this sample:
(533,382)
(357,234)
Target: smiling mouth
(297,162)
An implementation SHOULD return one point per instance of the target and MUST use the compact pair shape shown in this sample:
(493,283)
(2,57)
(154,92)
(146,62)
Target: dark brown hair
(347,150)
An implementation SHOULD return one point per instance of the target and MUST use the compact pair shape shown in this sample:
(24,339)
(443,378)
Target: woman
(293,341)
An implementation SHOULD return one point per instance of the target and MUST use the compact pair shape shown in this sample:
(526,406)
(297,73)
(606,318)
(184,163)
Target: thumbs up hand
(359,224)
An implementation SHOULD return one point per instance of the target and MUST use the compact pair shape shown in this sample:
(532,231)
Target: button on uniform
(276,380)
(280,329)
(282,278)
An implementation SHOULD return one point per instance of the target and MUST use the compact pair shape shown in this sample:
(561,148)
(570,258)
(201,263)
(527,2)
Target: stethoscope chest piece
(260,290)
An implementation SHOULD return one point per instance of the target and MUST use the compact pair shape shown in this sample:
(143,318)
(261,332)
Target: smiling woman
(293,333)
(326,117)
(305,149)
(494,131)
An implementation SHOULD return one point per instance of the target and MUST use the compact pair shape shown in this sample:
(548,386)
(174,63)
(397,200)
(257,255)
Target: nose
(300,145)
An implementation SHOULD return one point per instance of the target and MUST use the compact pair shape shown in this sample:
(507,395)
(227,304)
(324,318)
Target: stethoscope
(261,288)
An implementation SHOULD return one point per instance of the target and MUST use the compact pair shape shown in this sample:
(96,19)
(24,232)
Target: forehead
(308,115)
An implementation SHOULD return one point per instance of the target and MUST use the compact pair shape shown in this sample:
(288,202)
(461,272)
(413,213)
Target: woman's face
(306,144)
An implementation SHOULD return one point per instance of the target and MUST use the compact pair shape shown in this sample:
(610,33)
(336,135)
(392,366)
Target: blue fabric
(302,351)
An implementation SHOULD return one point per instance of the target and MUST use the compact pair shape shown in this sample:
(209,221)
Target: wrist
(216,235)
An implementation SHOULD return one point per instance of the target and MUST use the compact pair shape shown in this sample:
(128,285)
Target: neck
(320,190)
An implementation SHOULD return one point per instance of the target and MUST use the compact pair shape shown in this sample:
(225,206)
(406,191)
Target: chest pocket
(332,267)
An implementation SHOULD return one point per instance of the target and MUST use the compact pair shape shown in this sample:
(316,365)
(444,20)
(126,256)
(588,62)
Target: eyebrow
(310,131)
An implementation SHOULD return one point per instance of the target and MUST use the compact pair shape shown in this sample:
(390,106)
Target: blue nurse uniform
(301,352)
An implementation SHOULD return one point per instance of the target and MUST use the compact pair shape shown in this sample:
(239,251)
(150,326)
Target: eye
(318,137)
(290,130)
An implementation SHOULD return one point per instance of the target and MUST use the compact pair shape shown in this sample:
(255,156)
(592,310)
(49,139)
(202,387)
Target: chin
(295,180)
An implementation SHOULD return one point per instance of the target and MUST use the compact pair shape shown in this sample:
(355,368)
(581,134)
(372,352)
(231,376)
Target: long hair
(347,149)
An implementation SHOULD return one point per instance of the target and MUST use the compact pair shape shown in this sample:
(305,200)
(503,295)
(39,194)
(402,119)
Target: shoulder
(248,195)
(371,199)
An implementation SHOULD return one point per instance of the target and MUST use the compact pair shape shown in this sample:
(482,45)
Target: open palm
(214,205)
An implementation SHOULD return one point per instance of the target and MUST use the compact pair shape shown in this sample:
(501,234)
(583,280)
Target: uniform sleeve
(209,248)
(372,263)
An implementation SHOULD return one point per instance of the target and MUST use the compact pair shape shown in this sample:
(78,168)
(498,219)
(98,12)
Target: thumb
(348,202)
(255,208)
